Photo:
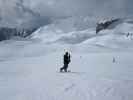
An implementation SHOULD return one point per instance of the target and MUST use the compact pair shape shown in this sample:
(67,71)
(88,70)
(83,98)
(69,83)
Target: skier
(67,60)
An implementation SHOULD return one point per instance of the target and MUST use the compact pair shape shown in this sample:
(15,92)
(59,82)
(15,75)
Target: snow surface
(101,67)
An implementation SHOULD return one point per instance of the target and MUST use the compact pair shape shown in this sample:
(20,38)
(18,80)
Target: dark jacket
(67,59)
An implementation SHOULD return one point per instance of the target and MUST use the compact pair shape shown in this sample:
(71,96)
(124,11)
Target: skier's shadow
(77,72)
(72,72)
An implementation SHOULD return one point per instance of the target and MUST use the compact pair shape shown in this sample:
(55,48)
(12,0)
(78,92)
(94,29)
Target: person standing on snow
(67,60)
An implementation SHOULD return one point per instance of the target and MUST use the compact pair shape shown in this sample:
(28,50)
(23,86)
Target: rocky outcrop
(104,25)
(7,33)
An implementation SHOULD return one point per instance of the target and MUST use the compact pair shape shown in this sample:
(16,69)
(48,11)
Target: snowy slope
(112,38)
(101,67)
(94,76)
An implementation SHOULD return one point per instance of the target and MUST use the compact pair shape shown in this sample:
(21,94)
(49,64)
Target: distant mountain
(7,33)
(105,24)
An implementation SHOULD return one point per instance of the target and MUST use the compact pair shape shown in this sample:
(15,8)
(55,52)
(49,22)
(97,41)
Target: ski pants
(64,68)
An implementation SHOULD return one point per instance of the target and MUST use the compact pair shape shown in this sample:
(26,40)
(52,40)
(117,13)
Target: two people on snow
(67,60)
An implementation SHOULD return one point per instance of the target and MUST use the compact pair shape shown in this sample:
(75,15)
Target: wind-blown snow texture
(101,67)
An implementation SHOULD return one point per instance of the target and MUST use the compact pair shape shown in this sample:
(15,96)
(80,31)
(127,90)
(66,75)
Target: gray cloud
(83,7)
(15,13)
(38,12)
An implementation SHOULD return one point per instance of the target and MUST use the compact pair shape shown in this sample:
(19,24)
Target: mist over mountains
(29,13)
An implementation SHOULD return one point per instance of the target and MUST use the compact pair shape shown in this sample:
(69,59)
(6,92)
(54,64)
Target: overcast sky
(15,12)
(82,7)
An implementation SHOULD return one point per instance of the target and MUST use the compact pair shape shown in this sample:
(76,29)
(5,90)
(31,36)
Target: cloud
(38,12)
(82,7)
(15,13)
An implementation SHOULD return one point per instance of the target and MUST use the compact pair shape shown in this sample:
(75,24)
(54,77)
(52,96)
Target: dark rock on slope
(105,25)
(7,33)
